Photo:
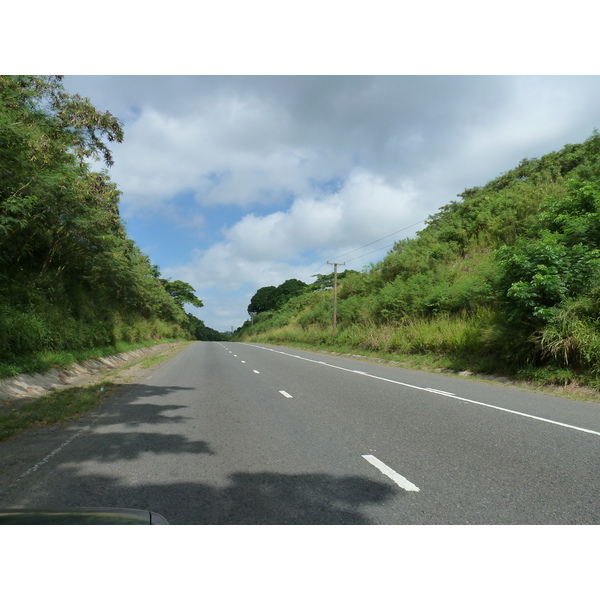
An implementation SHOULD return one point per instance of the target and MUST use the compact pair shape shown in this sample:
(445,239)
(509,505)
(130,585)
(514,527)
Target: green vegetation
(70,403)
(42,361)
(55,407)
(70,278)
(272,298)
(504,280)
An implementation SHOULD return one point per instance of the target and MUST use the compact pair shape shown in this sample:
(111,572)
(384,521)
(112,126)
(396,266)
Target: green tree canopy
(272,298)
(182,293)
(264,299)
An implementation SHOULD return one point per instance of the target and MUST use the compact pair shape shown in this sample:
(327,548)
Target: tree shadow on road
(122,407)
(110,447)
(281,499)
(264,498)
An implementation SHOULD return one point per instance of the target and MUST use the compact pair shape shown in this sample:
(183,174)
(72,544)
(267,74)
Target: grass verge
(42,362)
(70,403)
(53,408)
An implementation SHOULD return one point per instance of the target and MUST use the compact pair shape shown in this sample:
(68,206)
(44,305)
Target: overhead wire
(379,240)
(370,244)
(372,252)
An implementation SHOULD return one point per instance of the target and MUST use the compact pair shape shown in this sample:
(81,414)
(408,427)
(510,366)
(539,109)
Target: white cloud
(266,250)
(363,210)
(230,154)
(263,140)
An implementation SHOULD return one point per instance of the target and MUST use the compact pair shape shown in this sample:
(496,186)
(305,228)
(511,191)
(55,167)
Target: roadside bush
(572,336)
(536,275)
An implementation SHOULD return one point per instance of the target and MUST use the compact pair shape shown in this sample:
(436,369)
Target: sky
(232,183)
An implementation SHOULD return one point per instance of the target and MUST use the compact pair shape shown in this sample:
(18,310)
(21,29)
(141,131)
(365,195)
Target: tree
(264,299)
(48,198)
(289,289)
(537,275)
(182,293)
(325,282)
(322,282)
(272,298)
(576,215)
(201,332)
(57,119)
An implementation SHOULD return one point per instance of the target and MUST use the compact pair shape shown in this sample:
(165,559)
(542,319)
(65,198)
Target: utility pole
(335,266)
(252,315)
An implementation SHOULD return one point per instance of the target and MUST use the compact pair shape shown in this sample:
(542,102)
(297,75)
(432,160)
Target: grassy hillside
(506,280)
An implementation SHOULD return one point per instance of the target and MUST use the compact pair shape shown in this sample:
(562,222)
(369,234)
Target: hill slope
(505,279)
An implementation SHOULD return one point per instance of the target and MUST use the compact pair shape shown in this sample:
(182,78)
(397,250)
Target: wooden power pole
(335,266)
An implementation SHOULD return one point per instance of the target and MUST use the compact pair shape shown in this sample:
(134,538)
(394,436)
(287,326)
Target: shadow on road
(267,498)
(109,447)
(132,391)
(251,499)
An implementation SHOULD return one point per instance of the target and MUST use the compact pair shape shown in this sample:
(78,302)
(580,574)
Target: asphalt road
(227,433)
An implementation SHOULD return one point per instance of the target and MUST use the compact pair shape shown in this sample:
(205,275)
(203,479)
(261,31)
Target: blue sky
(232,183)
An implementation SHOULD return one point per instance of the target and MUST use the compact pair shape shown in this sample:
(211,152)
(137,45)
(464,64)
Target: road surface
(230,433)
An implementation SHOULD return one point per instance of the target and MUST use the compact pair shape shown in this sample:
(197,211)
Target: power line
(370,244)
(372,252)
(379,240)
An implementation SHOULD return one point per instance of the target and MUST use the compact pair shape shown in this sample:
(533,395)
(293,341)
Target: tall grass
(571,340)
(459,336)
(40,336)
(469,341)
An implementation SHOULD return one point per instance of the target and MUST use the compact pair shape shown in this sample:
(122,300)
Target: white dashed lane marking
(395,477)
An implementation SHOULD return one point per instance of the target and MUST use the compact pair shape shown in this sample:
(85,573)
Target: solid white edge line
(447,394)
(395,477)
(49,456)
